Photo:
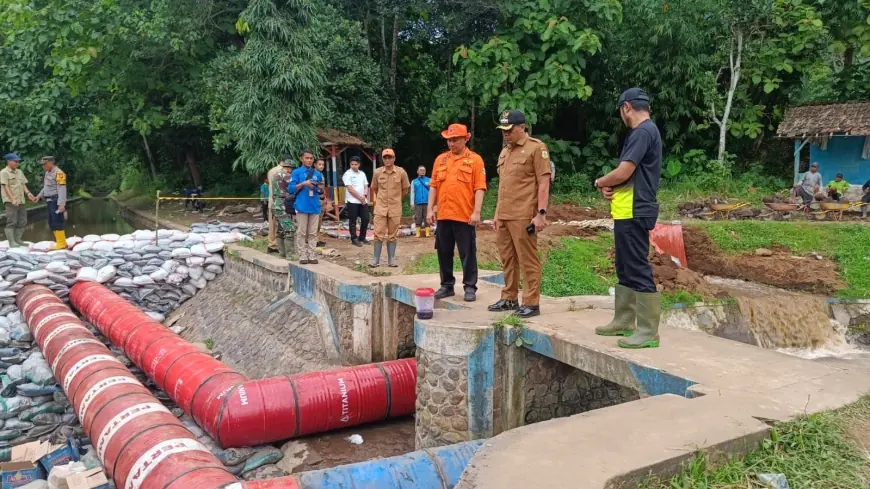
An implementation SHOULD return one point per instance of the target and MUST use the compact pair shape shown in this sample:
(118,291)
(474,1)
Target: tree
(271,88)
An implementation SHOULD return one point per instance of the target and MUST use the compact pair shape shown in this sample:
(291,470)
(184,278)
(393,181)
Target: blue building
(838,137)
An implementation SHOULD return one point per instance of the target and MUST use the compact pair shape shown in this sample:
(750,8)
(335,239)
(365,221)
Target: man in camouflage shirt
(286,229)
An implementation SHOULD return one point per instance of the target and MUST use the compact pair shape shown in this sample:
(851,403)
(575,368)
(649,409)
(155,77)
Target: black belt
(50,198)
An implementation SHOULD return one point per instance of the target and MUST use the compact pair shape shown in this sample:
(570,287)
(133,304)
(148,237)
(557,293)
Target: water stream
(790,322)
(94,216)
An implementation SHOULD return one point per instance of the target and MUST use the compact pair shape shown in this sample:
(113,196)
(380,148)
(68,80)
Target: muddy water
(790,322)
(94,216)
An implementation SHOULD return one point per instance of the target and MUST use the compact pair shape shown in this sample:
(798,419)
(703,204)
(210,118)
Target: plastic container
(425,300)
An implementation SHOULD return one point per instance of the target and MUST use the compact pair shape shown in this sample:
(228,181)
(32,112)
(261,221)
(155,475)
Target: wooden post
(797,158)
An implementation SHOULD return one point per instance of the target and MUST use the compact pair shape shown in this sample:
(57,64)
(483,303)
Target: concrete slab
(610,447)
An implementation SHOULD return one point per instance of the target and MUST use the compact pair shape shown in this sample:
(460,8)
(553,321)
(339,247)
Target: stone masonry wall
(342,318)
(442,400)
(405,322)
(260,333)
(554,390)
(265,278)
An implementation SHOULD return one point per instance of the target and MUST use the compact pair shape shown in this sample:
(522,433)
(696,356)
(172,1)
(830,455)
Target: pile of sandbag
(251,229)
(156,270)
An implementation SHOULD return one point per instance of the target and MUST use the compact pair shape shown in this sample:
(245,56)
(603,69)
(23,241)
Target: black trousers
(361,212)
(463,236)
(55,220)
(264,208)
(632,253)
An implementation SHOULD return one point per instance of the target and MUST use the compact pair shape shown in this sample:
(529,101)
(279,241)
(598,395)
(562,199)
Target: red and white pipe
(236,411)
(141,444)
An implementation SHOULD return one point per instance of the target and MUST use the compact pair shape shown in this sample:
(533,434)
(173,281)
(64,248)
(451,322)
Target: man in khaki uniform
(389,184)
(521,212)
(273,224)
(14,185)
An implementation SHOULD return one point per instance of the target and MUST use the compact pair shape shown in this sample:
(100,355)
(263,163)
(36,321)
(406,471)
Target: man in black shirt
(631,189)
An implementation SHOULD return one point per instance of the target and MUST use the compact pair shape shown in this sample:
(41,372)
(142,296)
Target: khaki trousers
(306,235)
(387,228)
(273,231)
(519,251)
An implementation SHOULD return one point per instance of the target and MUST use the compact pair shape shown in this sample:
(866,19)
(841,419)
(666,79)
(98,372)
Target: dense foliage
(168,93)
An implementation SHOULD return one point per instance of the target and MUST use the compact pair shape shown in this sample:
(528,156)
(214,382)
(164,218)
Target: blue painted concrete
(497,279)
(355,294)
(481,379)
(842,156)
(655,382)
(406,296)
(439,468)
(535,341)
(303,281)
(315,309)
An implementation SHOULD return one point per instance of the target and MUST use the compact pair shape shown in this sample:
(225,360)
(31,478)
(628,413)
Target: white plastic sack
(36,275)
(195,273)
(200,283)
(174,279)
(194,238)
(179,236)
(124,282)
(159,275)
(104,246)
(57,267)
(214,247)
(181,253)
(165,233)
(83,246)
(126,244)
(156,316)
(110,237)
(195,261)
(91,238)
(170,265)
(209,276)
(143,280)
(59,473)
(199,250)
(144,235)
(213,238)
(73,241)
(106,273)
(87,274)
(43,246)
(183,271)
(214,260)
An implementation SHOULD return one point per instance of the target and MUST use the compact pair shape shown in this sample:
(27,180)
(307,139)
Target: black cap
(839,175)
(286,157)
(355,158)
(510,118)
(632,95)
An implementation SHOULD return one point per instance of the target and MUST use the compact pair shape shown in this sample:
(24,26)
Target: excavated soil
(669,277)
(781,269)
(568,212)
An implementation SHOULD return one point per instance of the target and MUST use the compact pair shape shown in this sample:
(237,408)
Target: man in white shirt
(357,197)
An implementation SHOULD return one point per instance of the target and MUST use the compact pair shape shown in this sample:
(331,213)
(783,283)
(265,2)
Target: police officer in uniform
(54,193)
(521,213)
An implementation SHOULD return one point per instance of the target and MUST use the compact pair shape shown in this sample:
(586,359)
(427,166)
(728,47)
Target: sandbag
(106,273)
(87,274)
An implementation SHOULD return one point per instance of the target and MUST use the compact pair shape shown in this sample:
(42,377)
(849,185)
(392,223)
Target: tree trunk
(194,171)
(734,65)
(394,52)
(383,42)
(150,158)
(473,114)
(366,30)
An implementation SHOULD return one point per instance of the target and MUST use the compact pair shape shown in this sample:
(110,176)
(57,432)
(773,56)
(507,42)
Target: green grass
(428,263)
(680,297)
(510,320)
(814,452)
(847,244)
(260,243)
(579,267)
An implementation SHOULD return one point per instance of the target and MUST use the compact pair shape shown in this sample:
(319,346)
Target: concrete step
(613,446)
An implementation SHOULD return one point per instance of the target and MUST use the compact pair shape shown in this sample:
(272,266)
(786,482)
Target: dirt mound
(569,212)
(669,277)
(780,268)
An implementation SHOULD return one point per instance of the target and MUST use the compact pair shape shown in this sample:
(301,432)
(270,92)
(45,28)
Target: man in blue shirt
(305,181)
(420,199)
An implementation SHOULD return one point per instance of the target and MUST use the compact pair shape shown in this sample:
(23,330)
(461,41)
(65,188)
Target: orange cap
(388,152)
(455,131)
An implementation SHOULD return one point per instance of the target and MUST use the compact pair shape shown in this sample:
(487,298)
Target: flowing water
(790,322)
(94,216)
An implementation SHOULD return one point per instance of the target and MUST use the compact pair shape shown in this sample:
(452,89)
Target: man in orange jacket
(457,188)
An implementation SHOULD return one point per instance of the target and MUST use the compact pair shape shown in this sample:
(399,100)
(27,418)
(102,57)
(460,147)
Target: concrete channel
(546,404)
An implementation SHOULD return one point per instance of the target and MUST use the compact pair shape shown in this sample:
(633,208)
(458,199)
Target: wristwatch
(596,183)
(542,212)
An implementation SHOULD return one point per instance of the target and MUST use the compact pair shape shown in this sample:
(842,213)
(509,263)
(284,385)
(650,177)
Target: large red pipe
(238,412)
(141,444)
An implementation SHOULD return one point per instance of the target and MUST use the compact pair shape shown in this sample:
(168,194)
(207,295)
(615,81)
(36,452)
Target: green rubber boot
(624,317)
(290,247)
(649,312)
(376,259)
(282,249)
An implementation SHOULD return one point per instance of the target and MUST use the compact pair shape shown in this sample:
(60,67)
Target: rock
(763,252)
